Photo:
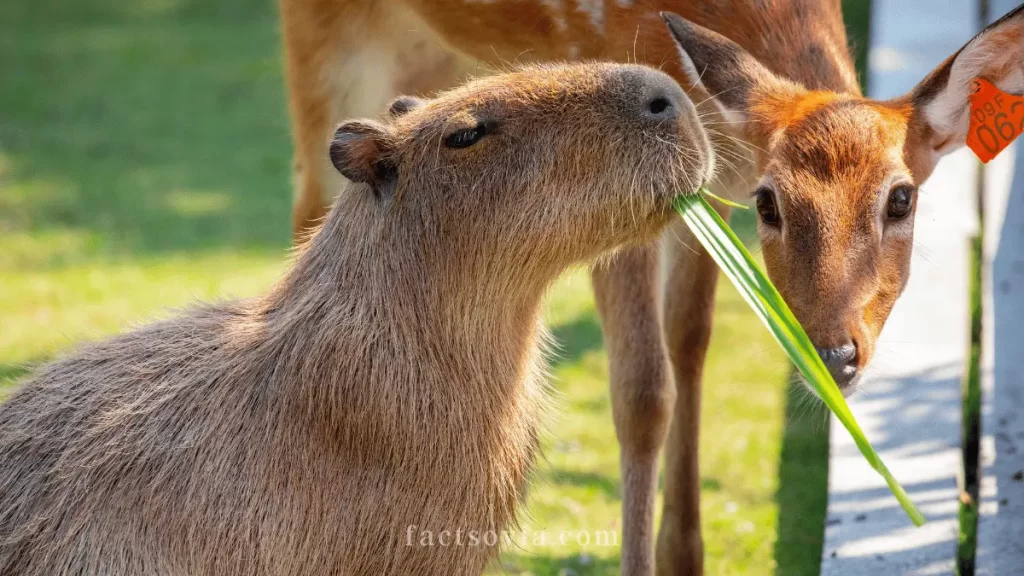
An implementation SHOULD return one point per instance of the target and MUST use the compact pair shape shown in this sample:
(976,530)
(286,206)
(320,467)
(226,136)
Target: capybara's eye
(767,208)
(901,201)
(466,137)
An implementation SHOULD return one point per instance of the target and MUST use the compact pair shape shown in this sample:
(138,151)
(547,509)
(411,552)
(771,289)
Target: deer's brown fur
(391,379)
(776,85)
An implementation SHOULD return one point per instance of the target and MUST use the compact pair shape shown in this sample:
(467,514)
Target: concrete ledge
(910,404)
(1001,521)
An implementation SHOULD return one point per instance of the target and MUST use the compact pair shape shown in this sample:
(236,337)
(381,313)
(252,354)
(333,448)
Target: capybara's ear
(362,151)
(404,104)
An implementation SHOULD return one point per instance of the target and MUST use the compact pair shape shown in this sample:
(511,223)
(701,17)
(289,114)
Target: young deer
(835,176)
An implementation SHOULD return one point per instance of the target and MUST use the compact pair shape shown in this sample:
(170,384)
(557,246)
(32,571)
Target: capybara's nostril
(841,362)
(658,96)
(659,105)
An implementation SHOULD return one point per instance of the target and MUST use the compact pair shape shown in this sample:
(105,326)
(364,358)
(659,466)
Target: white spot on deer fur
(623,3)
(594,9)
(372,70)
(574,51)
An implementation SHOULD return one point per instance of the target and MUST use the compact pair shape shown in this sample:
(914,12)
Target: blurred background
(145,164)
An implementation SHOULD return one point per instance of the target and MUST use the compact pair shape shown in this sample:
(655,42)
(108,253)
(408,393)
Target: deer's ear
(731,76)
(940,102)
(362,150)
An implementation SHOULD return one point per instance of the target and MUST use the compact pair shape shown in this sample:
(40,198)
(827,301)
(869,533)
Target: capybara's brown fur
(391,379)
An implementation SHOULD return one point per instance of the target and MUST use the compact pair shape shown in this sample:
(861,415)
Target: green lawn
(144,164)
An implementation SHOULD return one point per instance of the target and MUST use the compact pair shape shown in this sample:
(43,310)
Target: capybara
(393,378)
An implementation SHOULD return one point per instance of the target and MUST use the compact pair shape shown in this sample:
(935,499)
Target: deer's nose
(841,362)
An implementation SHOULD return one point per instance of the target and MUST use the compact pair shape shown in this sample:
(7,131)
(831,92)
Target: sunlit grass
(44,312)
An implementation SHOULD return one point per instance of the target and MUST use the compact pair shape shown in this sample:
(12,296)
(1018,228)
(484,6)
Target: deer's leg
(313,42)
(690,277)
(349,59)
(642,396)
(689,300)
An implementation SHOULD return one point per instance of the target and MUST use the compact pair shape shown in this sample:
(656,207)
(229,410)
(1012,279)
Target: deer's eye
(767,209)
(466,137)
(901,202)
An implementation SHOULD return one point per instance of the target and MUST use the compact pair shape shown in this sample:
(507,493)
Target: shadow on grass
(576,338)
(803,486)
(589,480)
(11,374)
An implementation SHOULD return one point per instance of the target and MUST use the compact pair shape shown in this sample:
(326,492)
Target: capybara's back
(106,458)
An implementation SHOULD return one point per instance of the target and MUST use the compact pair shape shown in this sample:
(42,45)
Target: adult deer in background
(835,178)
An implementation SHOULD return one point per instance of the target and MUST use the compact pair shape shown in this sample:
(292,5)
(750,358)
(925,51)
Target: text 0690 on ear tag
(997,118)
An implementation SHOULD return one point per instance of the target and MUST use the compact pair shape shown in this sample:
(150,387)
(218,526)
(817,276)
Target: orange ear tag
(997,118)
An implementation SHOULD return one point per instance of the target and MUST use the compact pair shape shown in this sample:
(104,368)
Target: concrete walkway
(910,405)
(1001,525)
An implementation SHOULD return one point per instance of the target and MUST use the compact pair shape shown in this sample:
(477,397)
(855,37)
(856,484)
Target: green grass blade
(728,203)
(739,266)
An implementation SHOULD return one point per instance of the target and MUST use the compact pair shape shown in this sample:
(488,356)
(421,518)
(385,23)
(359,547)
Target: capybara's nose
(657,96)
(841,362)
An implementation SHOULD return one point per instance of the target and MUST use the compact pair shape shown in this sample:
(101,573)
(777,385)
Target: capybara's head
(541,167)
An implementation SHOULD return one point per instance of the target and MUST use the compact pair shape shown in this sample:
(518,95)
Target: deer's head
(840,175)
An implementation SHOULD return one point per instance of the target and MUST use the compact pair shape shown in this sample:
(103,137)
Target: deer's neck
(801,40)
